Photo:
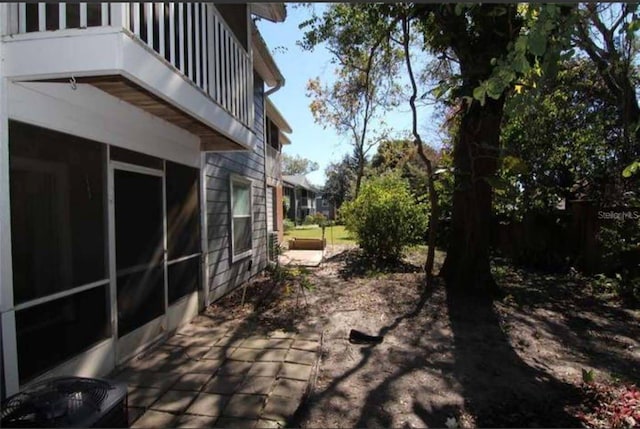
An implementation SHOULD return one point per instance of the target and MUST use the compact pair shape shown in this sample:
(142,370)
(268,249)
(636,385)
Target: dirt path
(512,363)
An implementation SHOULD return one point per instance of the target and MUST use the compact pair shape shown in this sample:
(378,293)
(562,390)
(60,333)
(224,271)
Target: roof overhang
(123,66)
(274,12)
(274,114)
(263,62)
(284,139)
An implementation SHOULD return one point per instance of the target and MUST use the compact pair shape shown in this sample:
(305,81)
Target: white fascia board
(109,51)
(64,53)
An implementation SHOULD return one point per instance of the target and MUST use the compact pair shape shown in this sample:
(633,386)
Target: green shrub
(385,218)
(288,225)
(315,219)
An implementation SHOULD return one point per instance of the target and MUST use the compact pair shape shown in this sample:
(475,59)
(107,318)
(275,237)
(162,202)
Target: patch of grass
(334,234)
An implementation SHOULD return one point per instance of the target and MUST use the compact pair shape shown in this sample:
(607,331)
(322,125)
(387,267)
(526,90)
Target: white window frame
(233,178)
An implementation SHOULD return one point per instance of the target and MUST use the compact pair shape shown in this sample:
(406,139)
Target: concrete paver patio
(217,376)
(303,258)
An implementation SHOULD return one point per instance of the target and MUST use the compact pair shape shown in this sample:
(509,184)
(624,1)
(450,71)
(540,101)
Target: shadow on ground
(514,362)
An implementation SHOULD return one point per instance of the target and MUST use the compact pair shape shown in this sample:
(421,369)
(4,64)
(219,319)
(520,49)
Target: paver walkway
(304,258)
(218,377)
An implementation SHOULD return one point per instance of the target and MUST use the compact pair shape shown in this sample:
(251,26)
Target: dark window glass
(184,278)
(183,209)
(50,333)
(274,135)
(131,157)
(140,298)
(58,221)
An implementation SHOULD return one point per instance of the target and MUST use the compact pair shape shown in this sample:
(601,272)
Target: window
(183,230)
(241,217)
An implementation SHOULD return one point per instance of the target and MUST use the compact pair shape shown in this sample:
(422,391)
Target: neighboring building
(325,206)
(302,197)
(132,175)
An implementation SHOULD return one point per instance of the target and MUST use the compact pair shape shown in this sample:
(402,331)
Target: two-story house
(133,181)
(302,197)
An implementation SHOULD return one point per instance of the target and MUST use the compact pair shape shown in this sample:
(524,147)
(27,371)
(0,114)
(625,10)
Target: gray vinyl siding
(222,274)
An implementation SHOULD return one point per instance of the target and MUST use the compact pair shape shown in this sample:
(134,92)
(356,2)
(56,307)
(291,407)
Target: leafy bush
(625,285)
(288,225)
(315,219)
(385,218)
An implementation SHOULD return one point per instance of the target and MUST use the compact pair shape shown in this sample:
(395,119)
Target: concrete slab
(244,406)
(143,397)
(301,356)
(302,258)
(279,408)
(193,382)
(174,401)
(289,388)
(193,421)
(232,423)
(271,355)
(224,384)
(256,385)
(295,371)
(208,404)
(265,369)
(155,419)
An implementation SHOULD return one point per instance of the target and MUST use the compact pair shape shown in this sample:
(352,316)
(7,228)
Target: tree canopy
(294,165)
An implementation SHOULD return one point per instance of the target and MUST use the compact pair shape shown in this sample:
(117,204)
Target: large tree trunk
(466,266)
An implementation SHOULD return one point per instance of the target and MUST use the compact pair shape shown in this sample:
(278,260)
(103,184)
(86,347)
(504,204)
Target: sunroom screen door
(139,252)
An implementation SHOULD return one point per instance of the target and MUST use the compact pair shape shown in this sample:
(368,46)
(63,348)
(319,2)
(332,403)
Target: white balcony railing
(193,37)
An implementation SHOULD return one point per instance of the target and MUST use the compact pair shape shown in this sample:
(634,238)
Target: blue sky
(309,139)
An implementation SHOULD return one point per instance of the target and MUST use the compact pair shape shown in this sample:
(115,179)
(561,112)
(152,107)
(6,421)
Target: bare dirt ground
(516,362)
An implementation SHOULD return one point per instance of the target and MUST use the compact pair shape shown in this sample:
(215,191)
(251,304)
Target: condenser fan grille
(55,402)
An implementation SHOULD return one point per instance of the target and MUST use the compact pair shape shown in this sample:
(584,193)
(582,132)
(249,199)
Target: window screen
(241,216)
(50,333)
(58,221)
(183,210)
(184,278)
(183,230)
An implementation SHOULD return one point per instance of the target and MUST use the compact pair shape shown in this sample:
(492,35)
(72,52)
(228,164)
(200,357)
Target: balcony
(178,61)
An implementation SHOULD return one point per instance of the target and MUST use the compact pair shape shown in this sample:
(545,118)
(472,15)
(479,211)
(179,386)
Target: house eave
(274,114)
(274,12)
(263,62)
